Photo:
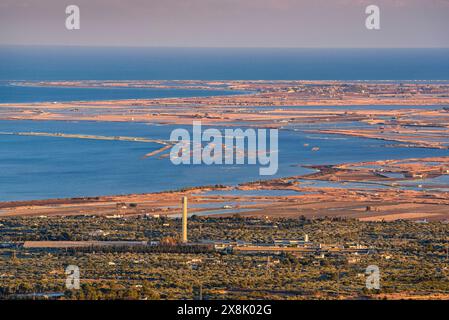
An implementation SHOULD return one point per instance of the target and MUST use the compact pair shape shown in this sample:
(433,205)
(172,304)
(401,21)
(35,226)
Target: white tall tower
(184,219)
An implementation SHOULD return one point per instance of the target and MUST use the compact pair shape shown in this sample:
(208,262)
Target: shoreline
(365,204)
(387,201)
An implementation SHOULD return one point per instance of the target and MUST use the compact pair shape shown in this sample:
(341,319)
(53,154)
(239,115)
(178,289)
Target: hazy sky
(227,23)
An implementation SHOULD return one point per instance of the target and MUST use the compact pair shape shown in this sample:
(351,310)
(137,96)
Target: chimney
(184,219)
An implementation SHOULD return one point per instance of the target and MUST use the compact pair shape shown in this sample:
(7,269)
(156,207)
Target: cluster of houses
(284,245)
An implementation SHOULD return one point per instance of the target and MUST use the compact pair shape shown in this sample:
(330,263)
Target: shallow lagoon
(16,94)
(34,167)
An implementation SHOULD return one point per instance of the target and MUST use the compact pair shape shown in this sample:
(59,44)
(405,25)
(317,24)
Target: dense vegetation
(412,258)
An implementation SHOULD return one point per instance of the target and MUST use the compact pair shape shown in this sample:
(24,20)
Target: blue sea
(34,167)
(82,63)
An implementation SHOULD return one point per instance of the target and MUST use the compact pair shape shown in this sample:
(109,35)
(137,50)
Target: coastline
(365,204)
(235,110)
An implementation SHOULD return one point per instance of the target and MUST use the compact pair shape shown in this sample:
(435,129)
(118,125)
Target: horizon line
(205,47)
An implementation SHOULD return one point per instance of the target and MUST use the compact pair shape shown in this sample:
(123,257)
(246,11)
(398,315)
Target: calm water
(13,93)
(42,63)
(46,167)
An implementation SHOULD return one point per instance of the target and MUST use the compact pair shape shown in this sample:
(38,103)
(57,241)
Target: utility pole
(447,252)
(268,265)
(338,283)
